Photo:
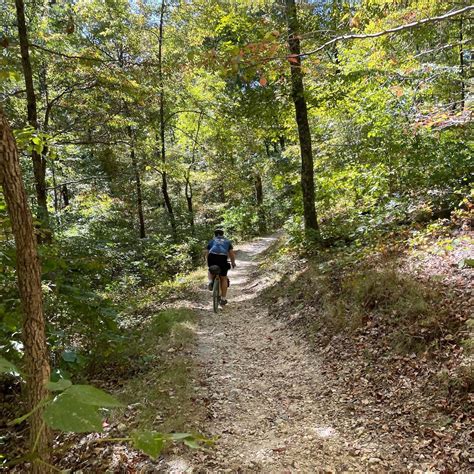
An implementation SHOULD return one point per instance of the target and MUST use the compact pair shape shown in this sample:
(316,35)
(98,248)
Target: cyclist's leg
(224,286)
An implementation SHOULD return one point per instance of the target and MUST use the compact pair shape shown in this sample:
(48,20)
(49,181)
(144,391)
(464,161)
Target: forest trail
(261,385)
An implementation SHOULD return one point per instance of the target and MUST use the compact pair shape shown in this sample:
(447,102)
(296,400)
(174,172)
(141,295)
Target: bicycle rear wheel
(215,294)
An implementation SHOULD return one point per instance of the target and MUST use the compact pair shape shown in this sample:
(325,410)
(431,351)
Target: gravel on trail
(262,388)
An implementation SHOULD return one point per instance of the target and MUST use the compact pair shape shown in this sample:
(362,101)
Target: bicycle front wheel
(215,294)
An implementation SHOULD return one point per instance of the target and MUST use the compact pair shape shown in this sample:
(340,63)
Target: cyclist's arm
(232,257)
(206,250)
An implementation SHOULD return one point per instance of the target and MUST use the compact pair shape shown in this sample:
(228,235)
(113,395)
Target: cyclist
(219,249)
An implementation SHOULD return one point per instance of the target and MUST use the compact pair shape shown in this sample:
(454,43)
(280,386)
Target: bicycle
(215,271)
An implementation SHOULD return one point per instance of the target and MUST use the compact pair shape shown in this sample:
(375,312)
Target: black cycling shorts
(220,261)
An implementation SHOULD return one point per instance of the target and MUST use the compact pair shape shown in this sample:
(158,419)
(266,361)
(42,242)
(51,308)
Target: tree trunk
(138,184)
(461,64)
(164,176)
(188,190)
(55,191)
(29,286)
(65,195)
(307,168)
(281,138)
(39,162)
(262,226)
(221,193)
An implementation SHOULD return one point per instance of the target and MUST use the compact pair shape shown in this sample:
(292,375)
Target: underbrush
(355,293)
(344,301)
(391,325)
(382,296)
(162,379)
(152,374)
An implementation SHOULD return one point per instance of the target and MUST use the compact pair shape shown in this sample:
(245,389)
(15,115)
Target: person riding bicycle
(219,249)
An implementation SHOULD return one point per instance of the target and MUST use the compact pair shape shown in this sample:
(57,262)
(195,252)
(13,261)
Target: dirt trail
(261,385)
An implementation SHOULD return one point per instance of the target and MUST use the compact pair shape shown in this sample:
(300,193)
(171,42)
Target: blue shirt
(219,246)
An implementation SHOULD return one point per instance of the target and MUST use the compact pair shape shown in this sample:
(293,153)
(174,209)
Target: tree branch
(397,29)
(441,48)
(67,56)
(89,178)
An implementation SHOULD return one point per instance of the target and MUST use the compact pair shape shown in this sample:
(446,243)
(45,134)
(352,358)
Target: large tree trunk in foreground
(39,161)
(29,285)
(307,168)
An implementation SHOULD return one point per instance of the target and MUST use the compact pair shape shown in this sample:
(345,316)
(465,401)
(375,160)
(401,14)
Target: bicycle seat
(214,270)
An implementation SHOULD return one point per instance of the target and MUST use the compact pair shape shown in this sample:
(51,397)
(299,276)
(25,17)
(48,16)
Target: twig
(440,48)
(67,56)
(91,178)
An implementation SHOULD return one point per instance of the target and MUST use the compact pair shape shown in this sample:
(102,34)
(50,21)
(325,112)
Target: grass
(384,296)
(162,391)
(343,292)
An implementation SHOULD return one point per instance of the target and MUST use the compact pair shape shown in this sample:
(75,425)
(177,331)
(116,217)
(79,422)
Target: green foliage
(150,442)
(7,367)
(66,413)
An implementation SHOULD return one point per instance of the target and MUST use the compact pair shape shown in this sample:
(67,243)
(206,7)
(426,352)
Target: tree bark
(138,184)
(188,190)
(29,286)
(262,225)
(461,63)
(281,138)
(164,175)
(301,111)
(65,195)
(39,161)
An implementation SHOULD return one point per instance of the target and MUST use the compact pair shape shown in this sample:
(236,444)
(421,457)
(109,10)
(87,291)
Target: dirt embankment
(392,331)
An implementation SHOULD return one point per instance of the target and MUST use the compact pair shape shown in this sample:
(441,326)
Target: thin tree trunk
(138,184)
(307,168)
(55,191)
(281,138)
(262,226)
(39,162)
(188,190)
(164,175)
(461,63)
(29,286)
(65,195)
(221,193)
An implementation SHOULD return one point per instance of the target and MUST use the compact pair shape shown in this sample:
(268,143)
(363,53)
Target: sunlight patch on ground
(178,466)
(188,325)
(325,432)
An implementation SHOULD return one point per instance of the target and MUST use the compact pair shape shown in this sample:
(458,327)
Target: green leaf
(69,356)
(180,436)
(59,386)
(150,442)
(468,263)
(8,367)
(90,395)
(191,443)
(66,413)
